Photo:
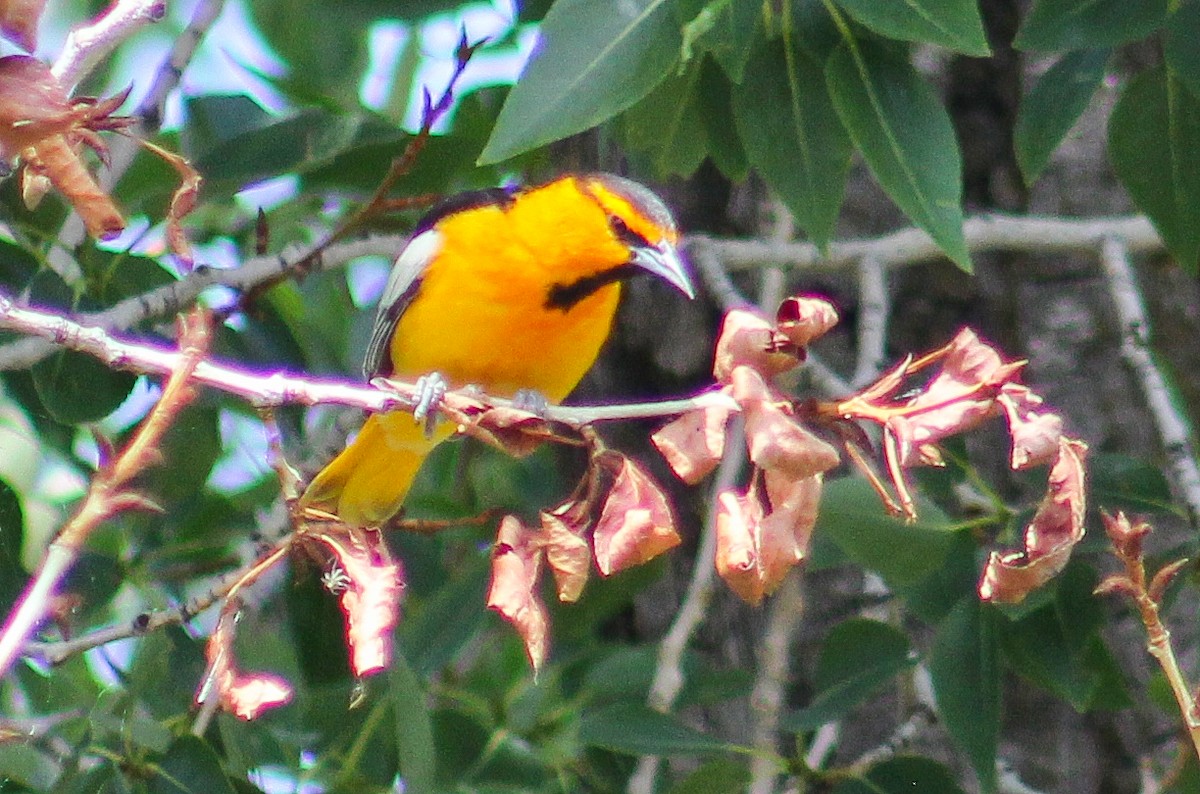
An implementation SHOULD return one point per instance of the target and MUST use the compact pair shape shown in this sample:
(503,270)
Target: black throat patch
(564,297)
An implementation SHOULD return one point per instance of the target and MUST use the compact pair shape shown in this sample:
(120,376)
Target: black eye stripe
(626,235)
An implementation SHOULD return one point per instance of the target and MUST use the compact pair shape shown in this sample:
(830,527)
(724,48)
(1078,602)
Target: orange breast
(480,316)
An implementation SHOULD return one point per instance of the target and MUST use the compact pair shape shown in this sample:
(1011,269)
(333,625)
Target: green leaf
(190,767)
(906,138)
(792,134)
(1087,24)
(1121,482)
(25,765)
(1059,646)
(858,657)
(324,44)
(636,729)
(212,120)
(718,776)
(954,24)
(965,668)
(1053,106)
(595,60)
(668,125)
(447,621)
(725,147)
(12,536)
(188,451)
(1179,45)
(726,29)
(903,775)
(75,387)
(414,731)
(853,517)
(301,142)
(1154,144)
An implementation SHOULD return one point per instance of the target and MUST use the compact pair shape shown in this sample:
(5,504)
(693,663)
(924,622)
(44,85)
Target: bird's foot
(531,400)
(431,389)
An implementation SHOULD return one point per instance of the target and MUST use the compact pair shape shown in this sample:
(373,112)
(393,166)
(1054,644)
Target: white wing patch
(401,287)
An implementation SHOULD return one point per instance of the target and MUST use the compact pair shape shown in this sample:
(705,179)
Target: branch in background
(265,389)
(1032,235)
(109,493)
(146,622)
(774,670)
(872,320)
(175,297)
(88,45)
(668,673)
(712,258)
(1172,427)
(171,70)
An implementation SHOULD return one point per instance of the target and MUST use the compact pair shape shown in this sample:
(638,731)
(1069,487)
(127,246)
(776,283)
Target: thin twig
(147,622)
(86,46)
(108,494)
(1173,430)
(171,298)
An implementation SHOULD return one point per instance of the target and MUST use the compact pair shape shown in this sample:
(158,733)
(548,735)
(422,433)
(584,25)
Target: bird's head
(641,221)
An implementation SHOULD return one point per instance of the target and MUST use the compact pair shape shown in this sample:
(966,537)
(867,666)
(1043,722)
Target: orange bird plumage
(506,290)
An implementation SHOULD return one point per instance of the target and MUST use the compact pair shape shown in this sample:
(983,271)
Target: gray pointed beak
(664,261)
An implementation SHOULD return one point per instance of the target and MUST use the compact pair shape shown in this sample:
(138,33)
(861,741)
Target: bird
(512,290)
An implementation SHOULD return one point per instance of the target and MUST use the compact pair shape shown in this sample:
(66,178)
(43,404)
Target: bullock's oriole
(509,290)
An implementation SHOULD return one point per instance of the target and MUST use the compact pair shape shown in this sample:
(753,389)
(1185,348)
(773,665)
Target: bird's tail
(366,483)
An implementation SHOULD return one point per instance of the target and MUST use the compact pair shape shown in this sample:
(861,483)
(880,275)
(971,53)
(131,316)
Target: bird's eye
(623,233)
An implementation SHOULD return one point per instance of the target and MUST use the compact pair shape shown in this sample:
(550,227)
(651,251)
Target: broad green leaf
(76,388)
(954,24)
(188,451)
(190,767)
(639,730)
(725,147)
(25,765)
(964,665)
(1060,647)
(668,125)
(792,134)
(1179,45)
(17,266)
(414,732)
(300,142)
(903,775)
(906,138)
(718,776)
(857,658)
(1121,482)
(1053,106)
(1087,24)
(853,517)
(726,29)
(324,44)
(12,536)
(594,60)
(1154,144)
(211,120)
(443,624)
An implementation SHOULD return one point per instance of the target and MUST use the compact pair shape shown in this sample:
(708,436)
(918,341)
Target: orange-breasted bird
(508,290)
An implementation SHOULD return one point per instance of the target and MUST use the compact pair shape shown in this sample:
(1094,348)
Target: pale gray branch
(171,298)
(1172,426)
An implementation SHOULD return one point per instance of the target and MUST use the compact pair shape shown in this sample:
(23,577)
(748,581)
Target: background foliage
(857,117)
